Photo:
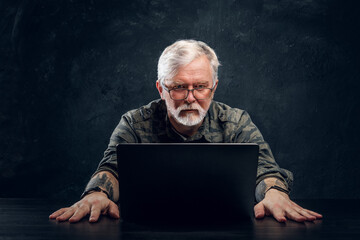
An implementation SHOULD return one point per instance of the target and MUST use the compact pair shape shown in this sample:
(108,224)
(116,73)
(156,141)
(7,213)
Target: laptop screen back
(192,183)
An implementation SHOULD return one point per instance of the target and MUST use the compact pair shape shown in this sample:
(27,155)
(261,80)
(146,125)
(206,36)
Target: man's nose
(190,98)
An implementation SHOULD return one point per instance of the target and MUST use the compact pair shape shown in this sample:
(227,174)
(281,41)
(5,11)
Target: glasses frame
(188,90)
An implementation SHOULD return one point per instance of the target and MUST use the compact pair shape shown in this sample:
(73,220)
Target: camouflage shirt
(222,124)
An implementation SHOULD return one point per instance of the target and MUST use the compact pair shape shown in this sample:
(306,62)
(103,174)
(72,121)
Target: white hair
(180,54)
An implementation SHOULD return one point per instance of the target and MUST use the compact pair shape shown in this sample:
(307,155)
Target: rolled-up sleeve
(267,167)
(123,133)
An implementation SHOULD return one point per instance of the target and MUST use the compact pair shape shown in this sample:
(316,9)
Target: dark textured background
(70,69)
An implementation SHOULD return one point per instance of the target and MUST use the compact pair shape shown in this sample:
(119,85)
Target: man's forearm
(106,182)
(265,185)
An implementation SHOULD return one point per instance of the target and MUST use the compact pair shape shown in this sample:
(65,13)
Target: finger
(66,215)
(305,213)
(114,210)
(294,215)
(95,213)
(58,213)
(259,210)
(81,212)
(317,215)
(279,214)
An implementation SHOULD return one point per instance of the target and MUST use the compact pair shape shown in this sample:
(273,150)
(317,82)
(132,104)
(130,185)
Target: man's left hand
(279,205)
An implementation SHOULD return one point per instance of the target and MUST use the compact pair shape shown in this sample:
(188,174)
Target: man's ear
(160,89)
(216,84)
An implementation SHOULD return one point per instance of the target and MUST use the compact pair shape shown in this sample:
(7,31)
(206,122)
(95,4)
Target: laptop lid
(186,183)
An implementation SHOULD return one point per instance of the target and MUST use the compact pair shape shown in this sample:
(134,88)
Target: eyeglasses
(181,93)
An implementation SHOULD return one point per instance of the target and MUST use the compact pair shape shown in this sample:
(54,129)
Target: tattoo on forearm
(260,191)
(264,185)
(279,183)
(103,181)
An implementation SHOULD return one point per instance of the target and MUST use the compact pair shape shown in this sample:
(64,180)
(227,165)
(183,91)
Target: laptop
(184,183)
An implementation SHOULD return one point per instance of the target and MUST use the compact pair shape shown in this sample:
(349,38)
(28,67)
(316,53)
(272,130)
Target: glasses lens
(181,94)
(178,94)
(203,93)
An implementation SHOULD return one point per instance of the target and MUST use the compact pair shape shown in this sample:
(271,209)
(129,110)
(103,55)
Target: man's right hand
(95,203)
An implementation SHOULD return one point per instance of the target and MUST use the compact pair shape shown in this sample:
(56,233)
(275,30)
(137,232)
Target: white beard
(190,119)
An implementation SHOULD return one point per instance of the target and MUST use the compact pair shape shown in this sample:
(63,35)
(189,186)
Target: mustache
(189,107)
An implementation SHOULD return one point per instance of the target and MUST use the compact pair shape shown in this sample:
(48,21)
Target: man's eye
(201,86)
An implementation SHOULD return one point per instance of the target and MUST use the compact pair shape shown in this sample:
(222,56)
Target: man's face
(190,111)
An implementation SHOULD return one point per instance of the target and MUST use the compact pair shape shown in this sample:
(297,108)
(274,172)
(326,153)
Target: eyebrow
(175,82)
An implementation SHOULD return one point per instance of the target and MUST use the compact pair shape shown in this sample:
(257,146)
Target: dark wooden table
(28,219)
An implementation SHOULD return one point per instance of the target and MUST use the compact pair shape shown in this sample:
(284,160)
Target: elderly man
(187,81)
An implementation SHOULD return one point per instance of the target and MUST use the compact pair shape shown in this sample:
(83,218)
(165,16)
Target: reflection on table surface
(28,219)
